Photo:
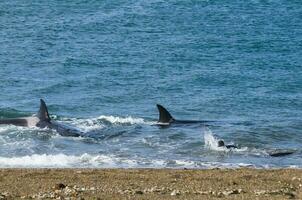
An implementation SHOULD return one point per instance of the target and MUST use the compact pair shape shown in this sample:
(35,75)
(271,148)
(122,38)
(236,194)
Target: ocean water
(102,66)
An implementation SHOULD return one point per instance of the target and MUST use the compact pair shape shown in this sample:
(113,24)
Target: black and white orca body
(42,120)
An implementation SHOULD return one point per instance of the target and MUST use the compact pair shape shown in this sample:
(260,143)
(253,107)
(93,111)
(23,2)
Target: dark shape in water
(165,118)
(43,120)
(279,153)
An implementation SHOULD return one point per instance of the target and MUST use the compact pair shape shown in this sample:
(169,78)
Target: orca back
(43,112)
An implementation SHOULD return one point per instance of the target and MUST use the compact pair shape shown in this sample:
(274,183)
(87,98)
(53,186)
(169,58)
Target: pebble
(139,192)
(227,193)
(59,186)
(260,192)
(175,192)
(295,178)
(236,191)
(153,189)
(220,194)
(202,192)
(58,191)
(4,195)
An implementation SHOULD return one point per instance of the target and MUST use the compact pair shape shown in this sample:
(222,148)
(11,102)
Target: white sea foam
(86,125)
(123,120)
(97,123)
(4,128)
(110,161)
(58,160)
(10,128)
(35,160)
(70,161)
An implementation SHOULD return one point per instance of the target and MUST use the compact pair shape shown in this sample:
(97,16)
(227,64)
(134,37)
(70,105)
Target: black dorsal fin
(43,112)
(164,115)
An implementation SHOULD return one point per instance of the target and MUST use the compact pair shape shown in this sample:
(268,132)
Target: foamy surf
(103,161)
(98,122)
(124,120)
(61,161)
(112,161)
(84,125)
(11,128)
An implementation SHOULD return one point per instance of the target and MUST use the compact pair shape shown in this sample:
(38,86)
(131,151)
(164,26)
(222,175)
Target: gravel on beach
(243,183)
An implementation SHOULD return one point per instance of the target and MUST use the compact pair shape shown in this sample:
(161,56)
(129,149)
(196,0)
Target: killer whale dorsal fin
(164,115)
(43,112)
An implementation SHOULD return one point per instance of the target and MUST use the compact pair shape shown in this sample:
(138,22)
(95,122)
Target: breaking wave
(104,161)
(98,123)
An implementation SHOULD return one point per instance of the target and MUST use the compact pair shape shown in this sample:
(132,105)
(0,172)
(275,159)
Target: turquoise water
(102,67)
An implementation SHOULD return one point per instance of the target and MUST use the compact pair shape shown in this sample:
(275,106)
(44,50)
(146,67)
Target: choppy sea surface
(102,66)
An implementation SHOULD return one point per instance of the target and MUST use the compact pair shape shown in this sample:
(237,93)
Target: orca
(166,119)
(43,120)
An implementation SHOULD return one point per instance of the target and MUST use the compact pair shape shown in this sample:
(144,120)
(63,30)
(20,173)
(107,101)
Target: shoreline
(86,183)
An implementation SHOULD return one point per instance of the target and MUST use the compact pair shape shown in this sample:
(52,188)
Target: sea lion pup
(276,153)
(228,146)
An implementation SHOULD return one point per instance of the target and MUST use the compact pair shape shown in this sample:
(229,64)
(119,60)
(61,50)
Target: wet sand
(165,184)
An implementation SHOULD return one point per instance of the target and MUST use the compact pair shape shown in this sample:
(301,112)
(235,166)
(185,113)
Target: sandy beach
(241,183)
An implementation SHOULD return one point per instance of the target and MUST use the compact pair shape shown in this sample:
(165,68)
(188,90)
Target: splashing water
(123,120)
(211,141)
